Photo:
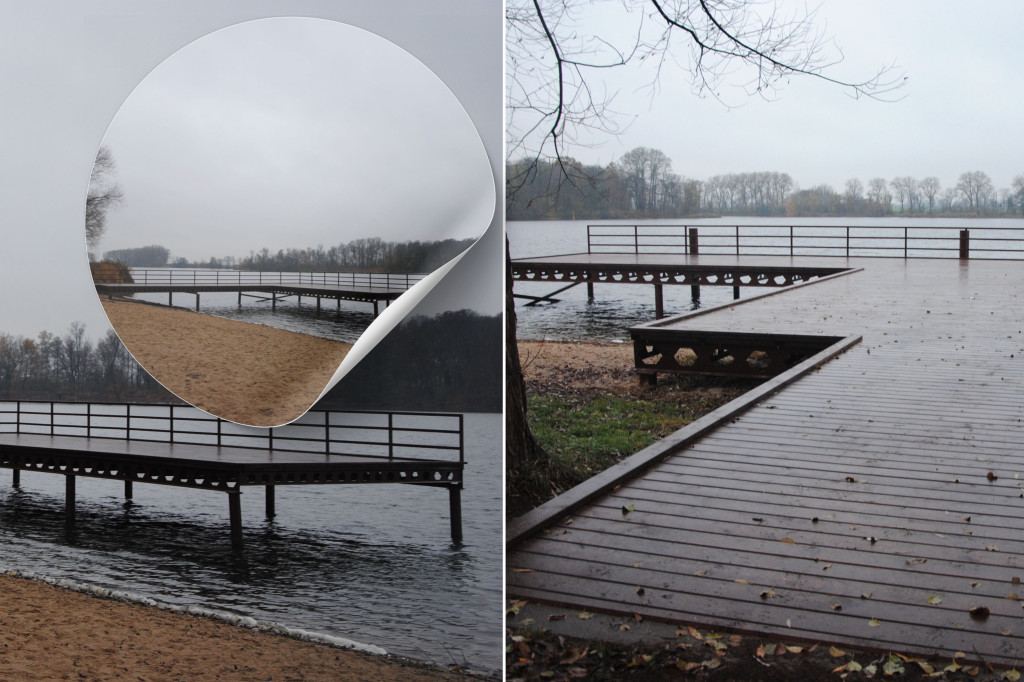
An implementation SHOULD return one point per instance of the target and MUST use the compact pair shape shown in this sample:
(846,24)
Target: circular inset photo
(263,201)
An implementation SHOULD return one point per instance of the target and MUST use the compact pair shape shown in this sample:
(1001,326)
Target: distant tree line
(448,363)
(142,257)
(372,254)
(71,367)
(641,184)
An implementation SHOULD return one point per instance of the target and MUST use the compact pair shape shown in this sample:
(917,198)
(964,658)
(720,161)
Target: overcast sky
(958,111)
(294,132)
(68,66)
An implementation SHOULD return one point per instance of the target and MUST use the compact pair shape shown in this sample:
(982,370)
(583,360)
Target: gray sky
(958,111)
(67,67)
(293,132)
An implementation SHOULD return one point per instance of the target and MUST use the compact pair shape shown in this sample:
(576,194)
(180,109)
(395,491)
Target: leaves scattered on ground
(535,655)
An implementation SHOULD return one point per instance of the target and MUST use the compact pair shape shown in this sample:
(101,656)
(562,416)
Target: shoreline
(61,629)
(247,373)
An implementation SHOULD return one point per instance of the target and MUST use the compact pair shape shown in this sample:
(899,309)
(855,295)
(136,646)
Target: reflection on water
(374,564)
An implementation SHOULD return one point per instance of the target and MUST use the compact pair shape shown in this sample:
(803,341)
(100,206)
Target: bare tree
(555,98)
(901,187)
(976,188)
(103,195)
(930,189)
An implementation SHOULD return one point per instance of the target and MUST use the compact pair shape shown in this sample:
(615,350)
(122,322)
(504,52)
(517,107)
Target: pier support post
(695,292)
(235,513)
(170,299)
(69,498)
(694,241)
(735,293)
(273,301)
(376,308)
(590,291)
(128,492)
(318,306)
(239,299)
(197,301)
(271,508)
(659,302)
(455,511)
(16,478)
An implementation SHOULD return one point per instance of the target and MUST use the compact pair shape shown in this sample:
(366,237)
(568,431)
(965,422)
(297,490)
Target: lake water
(619,306)
(344,323)
(374,564)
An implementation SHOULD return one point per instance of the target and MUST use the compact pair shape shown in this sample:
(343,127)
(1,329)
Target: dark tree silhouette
(103,195)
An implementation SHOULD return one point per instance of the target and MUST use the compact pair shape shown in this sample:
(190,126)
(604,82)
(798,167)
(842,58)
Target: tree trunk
(521,450)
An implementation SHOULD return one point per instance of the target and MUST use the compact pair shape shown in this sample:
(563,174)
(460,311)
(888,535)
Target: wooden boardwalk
(874,501)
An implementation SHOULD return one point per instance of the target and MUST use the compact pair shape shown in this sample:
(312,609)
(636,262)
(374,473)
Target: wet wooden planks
(853,506)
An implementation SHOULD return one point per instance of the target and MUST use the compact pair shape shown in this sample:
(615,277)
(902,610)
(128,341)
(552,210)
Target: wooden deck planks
(917,415)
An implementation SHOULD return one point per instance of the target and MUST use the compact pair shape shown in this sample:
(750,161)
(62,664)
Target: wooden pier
(870,495)
(375,288)
(182,446)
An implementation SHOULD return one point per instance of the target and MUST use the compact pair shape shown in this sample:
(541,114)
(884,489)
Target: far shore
(247,373)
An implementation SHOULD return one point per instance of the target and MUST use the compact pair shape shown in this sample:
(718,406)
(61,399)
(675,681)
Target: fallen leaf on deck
(934,601)
(760,651)
(926,668)
(1015,580)
(627,508)
(991,477)
(522,570)
(556,616)
(893,666)
(516,607)
(640,591)
(1013,596)
(836,653)
(768,594)
(780,649)
(585,615)
(911,562)
(979,613)
(758,519)
(794,649)
(741,581)
(837,607)
(789,541)
(1011,676)
(701,573)
(873,623)
(966,518)
(826,567)
(694,633)
(975,584)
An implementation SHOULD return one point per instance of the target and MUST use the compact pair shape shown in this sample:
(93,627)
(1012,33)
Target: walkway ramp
(876,500)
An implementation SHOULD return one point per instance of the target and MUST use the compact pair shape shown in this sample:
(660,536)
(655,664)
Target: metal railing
(890,241)
(383,435)
(361,280)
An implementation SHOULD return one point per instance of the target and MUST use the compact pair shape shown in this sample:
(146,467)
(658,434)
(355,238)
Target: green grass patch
(583,437)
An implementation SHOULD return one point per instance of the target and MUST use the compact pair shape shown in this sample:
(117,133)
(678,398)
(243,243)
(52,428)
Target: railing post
(636,239)
(790,241)
(694,241)
(51,417)
(904,242)
(588,239)
(965,244)
(391,436)
(17,425)
(128,422)
(461,441)
(737,240)
(88,420)
(170,415)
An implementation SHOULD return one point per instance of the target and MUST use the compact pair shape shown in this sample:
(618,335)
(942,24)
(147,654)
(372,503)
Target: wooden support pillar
(235,513)
(736,293)
(239,299)
(273,301)
(590,291)
(376,308)
(695,292)
(455,511)
(694,241)
(170,298)
(318,306)
(965,244)
(659,302)
(271,509)
(69,498)
(16,478)
(128,492)
(197,301)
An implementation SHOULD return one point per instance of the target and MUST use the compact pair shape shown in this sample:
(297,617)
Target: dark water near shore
(339,323)
(619,306)
(374,564)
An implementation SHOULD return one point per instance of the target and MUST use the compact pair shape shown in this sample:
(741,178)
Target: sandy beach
(49,633)
(248,373)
